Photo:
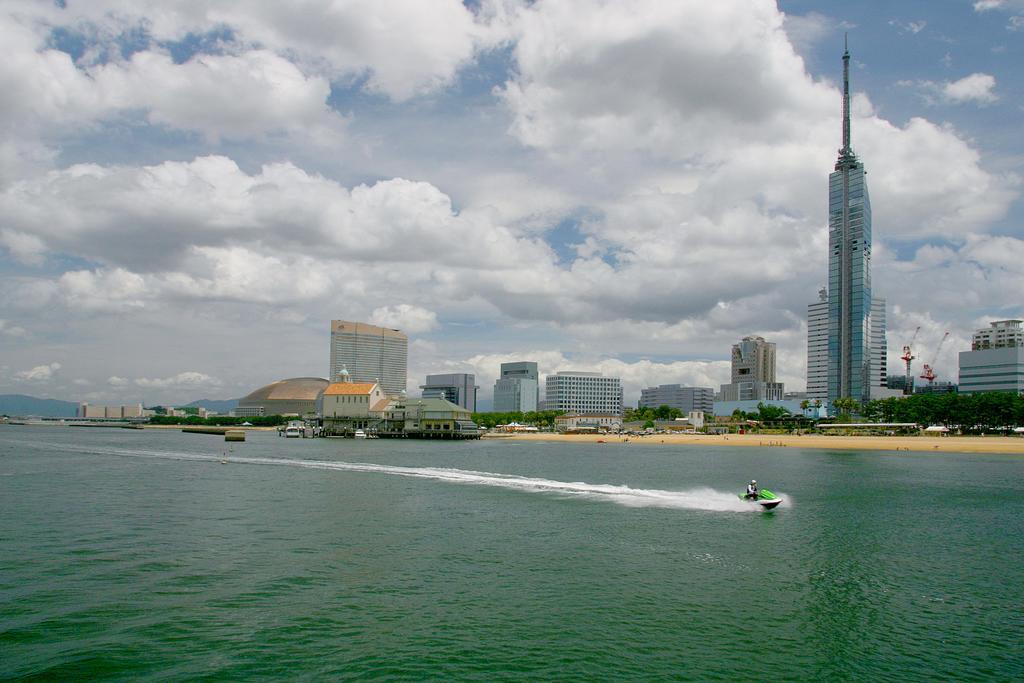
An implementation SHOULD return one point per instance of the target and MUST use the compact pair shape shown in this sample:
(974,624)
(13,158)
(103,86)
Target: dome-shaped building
(296,396)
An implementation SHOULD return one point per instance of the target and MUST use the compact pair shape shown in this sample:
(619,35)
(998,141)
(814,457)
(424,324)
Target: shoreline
(930,444)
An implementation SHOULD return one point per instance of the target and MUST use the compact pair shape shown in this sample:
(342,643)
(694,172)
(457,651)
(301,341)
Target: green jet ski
(765,498)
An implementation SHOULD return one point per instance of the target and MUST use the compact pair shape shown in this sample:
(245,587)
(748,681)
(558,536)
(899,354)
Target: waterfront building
(684,398)
(517,389)
(296,396)
(370,353)
(995,361)
(753,372)
(590,422)
(855,341)
(584,393)
(460,388)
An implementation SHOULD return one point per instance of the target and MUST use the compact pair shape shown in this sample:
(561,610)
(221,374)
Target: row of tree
(651,414)
(968,412)
(539,418)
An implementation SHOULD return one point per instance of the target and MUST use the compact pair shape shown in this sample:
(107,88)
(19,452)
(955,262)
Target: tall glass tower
(849,269)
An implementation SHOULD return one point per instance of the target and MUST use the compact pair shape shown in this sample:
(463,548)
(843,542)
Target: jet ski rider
(752,491)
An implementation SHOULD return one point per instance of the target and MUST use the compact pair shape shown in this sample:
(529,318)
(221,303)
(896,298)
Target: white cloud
(684,144)
(40,373)
(10,330)
(913,27)
(401,48)
(410,319)
(116,381)
(26,248)
(181,380)
(249,93)
(974,88)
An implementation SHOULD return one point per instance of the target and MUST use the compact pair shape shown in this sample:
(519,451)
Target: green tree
(846,405)
(766,412)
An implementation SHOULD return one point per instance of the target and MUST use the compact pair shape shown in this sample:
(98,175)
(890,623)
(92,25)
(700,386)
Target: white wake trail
(694,499)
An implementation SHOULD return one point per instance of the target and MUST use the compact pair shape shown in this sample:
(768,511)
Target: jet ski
(765,498)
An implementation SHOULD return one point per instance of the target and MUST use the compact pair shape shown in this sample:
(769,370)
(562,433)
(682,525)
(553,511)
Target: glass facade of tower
(849,281)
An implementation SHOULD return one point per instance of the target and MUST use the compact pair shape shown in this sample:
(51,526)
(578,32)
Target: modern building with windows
(460,388)
(686,399)
(817,348)
(995,361)
(855,344)
(584,393)
(370,353)
(518,388)
(753,372)
(879,351)
(1000,334)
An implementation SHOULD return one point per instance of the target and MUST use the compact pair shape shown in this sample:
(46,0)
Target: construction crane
(928,373)
(907,357)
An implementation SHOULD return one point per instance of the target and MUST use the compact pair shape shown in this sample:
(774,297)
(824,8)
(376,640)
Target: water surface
(138,554)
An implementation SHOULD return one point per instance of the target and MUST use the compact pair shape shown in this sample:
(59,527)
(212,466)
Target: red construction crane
(928,373)
(907,357)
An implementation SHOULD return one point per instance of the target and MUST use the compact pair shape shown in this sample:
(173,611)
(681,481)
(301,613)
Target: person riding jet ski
(752,492)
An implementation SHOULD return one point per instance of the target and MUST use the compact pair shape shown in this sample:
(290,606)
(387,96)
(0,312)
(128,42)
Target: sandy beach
(952,444)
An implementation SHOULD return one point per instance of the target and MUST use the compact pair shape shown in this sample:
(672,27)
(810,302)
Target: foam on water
(703,498)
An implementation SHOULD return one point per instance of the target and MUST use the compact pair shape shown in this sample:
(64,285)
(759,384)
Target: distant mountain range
(26,406)
(223,407)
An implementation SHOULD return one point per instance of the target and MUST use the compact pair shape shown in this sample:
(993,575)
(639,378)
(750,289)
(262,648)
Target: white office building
(518,388)
(686,399)
(370,354)
(583,393)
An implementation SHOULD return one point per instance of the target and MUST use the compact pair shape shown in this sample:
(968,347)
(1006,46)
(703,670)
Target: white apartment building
(995,361)
(999,335)
(583,392)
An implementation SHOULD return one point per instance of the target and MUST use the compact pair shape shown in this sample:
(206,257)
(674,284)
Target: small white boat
(360,434)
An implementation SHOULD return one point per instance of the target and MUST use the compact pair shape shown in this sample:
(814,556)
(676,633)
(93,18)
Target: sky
(191,191)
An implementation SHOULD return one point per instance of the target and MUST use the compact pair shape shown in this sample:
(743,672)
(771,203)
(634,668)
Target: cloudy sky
(191,191)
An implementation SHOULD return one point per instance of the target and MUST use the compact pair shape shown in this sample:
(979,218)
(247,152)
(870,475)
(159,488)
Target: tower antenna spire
(846,97)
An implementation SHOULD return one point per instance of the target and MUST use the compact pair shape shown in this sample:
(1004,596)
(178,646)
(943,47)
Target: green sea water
(137,554)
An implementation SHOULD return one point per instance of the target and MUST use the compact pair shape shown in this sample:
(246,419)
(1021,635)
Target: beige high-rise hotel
(370,354)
